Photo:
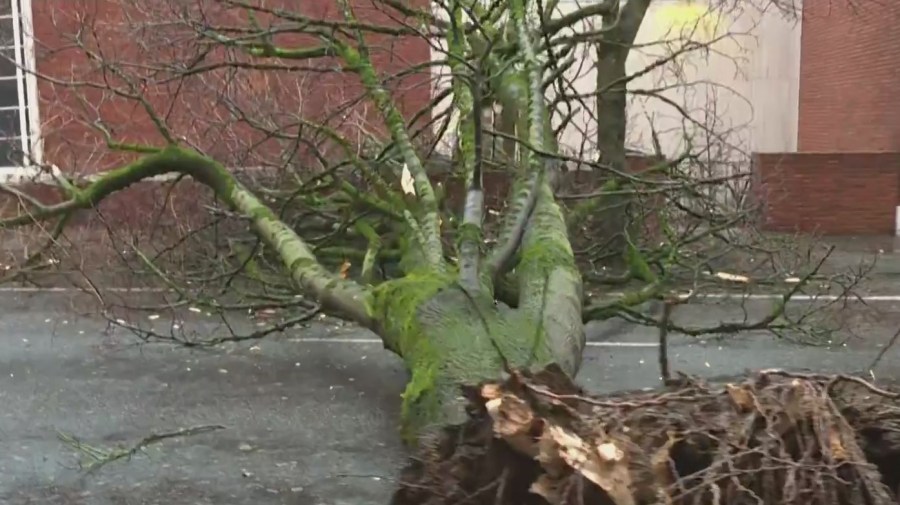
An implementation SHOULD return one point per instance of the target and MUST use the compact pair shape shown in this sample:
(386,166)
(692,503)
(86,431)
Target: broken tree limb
(343,297)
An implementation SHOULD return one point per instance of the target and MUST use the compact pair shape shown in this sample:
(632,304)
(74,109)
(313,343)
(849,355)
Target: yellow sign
(689,19)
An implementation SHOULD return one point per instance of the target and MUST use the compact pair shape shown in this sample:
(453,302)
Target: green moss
(545,255)
(420,404)
(469,233)
(637,264)
(517,197)
(394,304)
(548,246)
(352,58)
(447,338)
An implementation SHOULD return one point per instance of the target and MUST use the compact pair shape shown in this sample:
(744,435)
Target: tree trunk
(449,338)
(612,112)
(620,30)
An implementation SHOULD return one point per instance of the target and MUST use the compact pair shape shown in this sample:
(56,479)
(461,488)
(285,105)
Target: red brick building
(72,90)
(843,179)
(119,68)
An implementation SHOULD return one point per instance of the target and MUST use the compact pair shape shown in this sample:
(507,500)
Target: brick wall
(828,193)
(149,44)
(234,113)
(136,35)
(497,184)
(844,179)
(849,72)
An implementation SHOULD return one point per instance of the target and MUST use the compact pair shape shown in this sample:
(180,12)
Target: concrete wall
(746,85)
(744,88)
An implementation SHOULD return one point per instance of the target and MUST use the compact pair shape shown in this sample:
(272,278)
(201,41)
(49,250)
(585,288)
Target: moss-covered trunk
(442,317)
(449,338)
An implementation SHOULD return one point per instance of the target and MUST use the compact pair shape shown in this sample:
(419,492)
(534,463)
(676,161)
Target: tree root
(776,437)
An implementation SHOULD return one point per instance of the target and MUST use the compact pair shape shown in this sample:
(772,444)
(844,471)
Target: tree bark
(620,29)
(449,338)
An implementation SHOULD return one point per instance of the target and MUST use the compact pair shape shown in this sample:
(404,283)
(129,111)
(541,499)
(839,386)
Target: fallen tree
(462,315)
(441,316)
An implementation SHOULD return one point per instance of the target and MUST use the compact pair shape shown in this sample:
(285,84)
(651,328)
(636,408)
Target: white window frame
(29,117)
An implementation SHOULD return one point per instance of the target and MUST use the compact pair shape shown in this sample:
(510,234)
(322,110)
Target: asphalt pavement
(307,417)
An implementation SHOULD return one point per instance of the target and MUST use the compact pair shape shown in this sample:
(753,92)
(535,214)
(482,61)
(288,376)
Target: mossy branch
(549,281)
(342,297)
(467,100)
(502,257)
(358,60)
(372,250)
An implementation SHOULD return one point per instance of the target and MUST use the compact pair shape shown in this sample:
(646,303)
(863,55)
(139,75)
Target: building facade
(844,176)
(811,101)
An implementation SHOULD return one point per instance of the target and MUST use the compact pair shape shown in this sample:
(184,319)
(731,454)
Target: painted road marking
(34,289)
(798,297)
(339,340)
(714,296)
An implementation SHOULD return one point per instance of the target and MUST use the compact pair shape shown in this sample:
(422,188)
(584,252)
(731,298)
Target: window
(18,96)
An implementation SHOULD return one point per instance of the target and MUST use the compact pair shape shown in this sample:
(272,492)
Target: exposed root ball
(776,438)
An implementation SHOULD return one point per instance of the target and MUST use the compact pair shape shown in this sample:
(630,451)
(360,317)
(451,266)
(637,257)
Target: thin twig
(884,350)
(100,457)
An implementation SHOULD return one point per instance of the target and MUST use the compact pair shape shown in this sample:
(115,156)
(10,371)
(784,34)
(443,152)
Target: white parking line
(713,296)
(798,297)
(622,344)
(34,289)
(338,340)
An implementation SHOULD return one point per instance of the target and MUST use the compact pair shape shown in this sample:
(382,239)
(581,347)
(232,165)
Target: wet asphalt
(308,416)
